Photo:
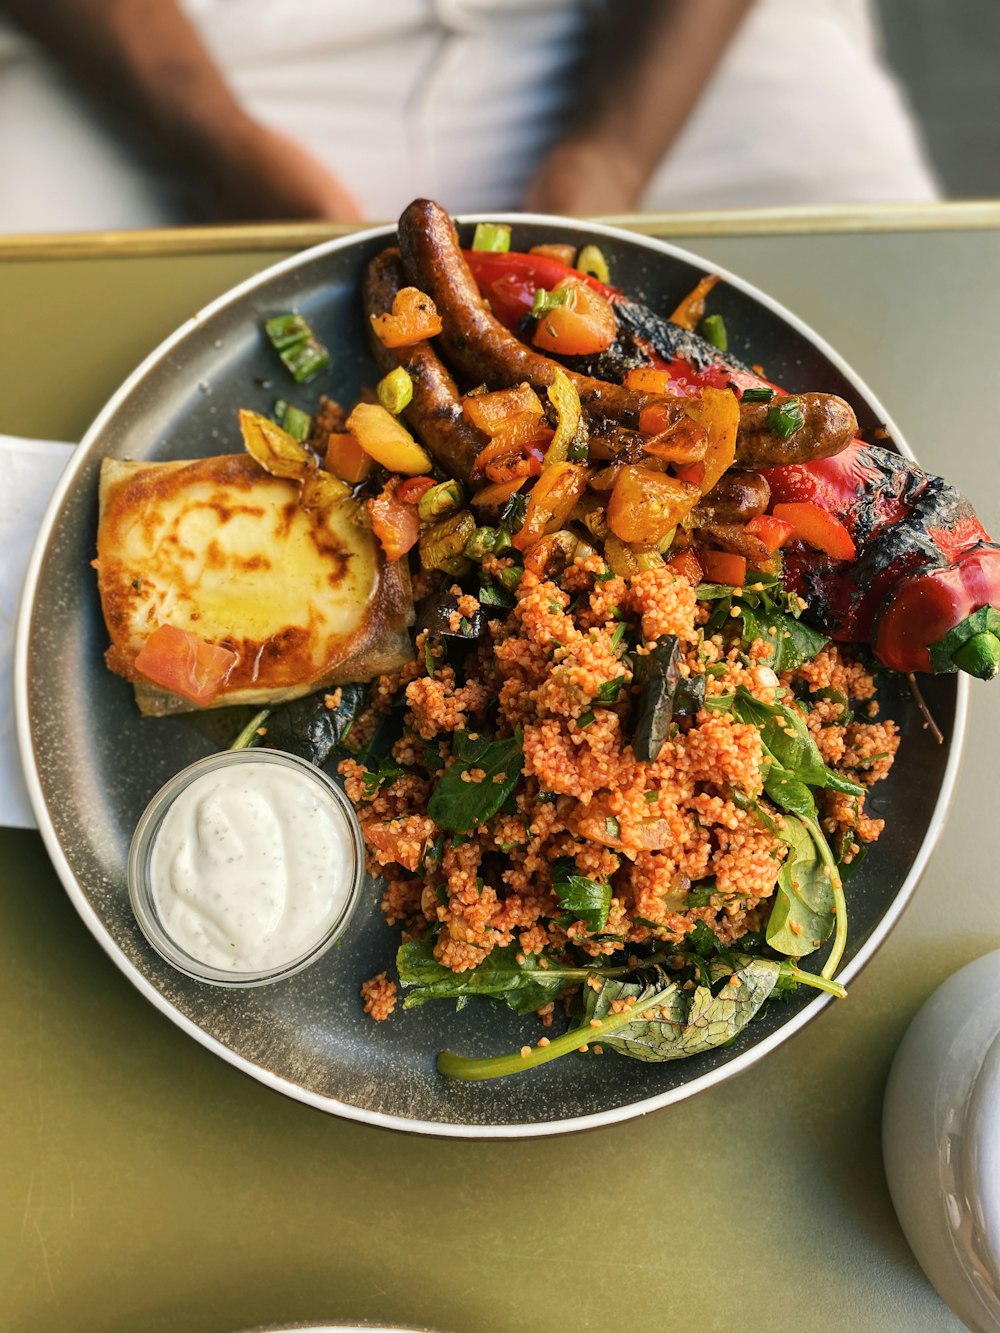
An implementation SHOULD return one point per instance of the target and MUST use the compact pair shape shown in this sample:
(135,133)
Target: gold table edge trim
(958,215)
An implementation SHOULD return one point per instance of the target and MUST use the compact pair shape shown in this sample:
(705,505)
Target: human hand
(261,174)
(584,176)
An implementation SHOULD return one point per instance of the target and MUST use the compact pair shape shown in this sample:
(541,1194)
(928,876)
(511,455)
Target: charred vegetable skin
(924,588)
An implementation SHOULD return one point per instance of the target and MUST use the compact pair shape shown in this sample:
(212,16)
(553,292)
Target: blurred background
(136,113)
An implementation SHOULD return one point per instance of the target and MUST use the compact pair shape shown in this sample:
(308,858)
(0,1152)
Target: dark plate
(91,771)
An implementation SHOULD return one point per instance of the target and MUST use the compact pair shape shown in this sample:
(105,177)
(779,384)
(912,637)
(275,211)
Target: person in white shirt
(151,112)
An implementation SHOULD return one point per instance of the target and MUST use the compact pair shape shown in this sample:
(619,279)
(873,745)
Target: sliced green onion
(447,497)
(713,330)
(591,260)
(578,451)
(552,300)
(482,542)
(760,395)
(493,236)
(785,417)
(297,423)
(300,350)
(585,719)
(395,390)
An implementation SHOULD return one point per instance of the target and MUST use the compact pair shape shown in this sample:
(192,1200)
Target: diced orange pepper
(346,459)
(684,442)
(815,526)
(724,567)
(718,410)
(551,502)
(497,494)
(691,310)
(645,506)
(565,254)
(492,412)
(688,566)
(648,379)
(656,418)
(414,317)
(773,532)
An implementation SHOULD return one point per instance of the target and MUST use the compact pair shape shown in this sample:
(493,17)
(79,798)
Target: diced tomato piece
(773,532)
(410,490)
(180,662)
(346,459)
(815,526)
(585,324)
(688,566)
(414,317)
(396,525)
(724,567)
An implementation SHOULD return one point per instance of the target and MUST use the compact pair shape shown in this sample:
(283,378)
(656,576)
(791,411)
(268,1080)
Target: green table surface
(147,1185)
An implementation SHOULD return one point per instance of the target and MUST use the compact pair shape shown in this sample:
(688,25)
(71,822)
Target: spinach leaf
(386,772)
(664,1022)
(789,745)
(683,1026)
(462,806)
(763,606)
(525,986)
(581,899)
(802,915)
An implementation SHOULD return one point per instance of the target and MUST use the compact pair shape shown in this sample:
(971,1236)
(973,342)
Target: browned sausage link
(474,341)
(434,413)
(736,497)
(829,425)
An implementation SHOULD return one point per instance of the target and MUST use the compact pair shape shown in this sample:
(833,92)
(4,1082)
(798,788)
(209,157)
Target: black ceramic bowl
(91,771)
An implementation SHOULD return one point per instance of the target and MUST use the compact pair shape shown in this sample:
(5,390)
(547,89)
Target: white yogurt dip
(251,865)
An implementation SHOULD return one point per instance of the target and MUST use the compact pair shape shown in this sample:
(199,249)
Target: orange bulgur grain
(379,996)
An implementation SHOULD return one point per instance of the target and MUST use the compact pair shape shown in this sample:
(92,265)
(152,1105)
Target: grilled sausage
(736,497)
(434,413)
(474,341)
(479,347)
(829,425)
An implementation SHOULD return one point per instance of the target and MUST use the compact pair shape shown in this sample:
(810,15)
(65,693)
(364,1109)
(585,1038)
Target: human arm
(645,69)
(144,61)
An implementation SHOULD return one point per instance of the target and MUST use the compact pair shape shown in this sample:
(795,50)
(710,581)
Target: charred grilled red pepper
(924,587)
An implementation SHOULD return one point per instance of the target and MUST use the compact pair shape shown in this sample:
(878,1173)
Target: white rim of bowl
(332,1105)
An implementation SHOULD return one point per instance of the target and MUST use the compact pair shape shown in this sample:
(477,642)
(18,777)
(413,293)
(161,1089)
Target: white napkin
(30,470)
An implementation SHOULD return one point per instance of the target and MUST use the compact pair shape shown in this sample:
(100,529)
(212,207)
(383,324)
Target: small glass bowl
(141,891)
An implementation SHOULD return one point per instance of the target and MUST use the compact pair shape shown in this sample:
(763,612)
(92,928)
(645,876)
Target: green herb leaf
(512,515)
(785,417)
(656,698)
(385,773)
(308,728)
(609,691)
(462,806)
(581,899)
